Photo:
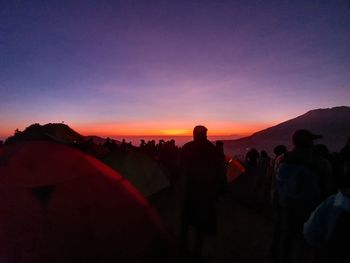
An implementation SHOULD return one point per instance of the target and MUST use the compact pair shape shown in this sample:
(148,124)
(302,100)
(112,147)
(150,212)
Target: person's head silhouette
(200,133)
(304,138)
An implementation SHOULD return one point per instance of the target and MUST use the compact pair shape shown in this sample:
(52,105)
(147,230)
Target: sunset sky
(161,67)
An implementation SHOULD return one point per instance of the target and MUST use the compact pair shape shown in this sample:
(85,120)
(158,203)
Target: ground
(244,235)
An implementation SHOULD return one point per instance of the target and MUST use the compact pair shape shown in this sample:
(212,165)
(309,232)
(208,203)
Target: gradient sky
(161,67)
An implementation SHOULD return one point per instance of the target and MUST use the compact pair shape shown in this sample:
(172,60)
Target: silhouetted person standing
(279,152)
(299,185)
(220,147)
(251,165)
(203,175)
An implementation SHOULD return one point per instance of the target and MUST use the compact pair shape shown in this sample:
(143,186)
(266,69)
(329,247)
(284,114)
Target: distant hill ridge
(57,131)
(332,123)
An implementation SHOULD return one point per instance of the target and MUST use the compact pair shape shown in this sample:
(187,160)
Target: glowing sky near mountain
(161,67)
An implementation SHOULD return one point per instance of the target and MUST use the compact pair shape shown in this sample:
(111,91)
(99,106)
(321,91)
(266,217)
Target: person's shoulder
(187,146)
(279,159)
(290,157)
(209,146)
(209,143)
(330,201)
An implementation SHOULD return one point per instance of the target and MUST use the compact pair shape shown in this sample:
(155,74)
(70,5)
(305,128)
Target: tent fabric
(140,169)
(58,204)
(234,168)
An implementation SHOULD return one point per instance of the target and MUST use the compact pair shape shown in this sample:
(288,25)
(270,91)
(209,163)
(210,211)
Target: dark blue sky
(143,67)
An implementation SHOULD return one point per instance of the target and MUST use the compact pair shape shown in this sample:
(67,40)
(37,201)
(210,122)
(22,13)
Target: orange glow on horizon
(156,129)
(176,132)
(119,130)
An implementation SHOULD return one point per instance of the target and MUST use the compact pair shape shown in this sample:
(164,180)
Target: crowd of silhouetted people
(165,153)
(308,189)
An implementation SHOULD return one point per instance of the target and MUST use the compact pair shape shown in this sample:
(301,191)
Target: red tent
(58,204)
(234,168)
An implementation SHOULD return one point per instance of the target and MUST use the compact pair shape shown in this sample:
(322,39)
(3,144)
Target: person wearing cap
(203,176)
(299,188)
(304,138)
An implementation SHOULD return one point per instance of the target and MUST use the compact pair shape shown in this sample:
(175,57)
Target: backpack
(297,183)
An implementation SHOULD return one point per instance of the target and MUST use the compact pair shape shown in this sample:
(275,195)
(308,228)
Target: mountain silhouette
(60,133)
(56,131)
(332,123)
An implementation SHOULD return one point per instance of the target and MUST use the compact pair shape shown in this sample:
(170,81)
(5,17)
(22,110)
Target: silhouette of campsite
(66,197)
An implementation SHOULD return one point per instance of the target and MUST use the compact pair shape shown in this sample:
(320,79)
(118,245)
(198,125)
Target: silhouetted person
(202,178)
(220,147)
(142,144)
(345,163)
(124,146)
(299,189)
(251,158)
(168,159)
(279,151)
(263,166)
(327,182)
(251,165)
(322,150)
(110,144)
(346,149)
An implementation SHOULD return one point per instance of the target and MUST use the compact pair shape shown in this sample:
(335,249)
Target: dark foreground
(244,235)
